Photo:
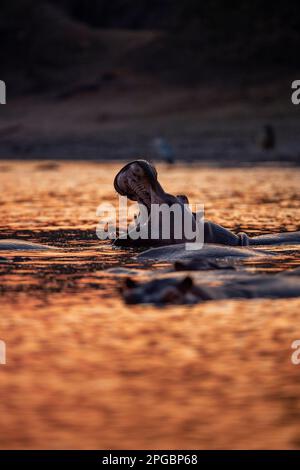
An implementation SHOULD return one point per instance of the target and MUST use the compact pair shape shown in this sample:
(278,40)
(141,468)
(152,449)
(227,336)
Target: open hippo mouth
(138,181)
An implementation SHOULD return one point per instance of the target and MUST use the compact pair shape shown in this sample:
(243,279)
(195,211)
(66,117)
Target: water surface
(84,370)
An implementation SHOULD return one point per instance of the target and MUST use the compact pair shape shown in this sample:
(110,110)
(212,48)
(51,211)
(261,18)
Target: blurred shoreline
(94,82)
(206,125)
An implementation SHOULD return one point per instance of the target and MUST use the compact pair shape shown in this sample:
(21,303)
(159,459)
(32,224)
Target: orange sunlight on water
(84,370)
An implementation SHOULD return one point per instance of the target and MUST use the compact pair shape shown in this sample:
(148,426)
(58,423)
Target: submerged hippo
(192,290)
(22,245)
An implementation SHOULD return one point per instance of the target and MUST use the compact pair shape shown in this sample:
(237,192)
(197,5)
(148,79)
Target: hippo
(178,290)
(138,180)
(208,251)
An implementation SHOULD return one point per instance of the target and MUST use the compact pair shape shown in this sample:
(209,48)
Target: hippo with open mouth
(138,181)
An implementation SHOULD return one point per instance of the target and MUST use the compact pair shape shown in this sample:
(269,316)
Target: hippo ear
(130,283)
(179,266)
(183,198)
(185,284)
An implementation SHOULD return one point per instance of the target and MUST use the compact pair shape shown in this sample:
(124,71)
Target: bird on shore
(164,149)
(266,140)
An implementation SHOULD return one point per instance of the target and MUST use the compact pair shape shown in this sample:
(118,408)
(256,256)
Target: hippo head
(159,291)
(138,181)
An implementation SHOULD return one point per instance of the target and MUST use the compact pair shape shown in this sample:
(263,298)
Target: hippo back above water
(179,252)
(22,245)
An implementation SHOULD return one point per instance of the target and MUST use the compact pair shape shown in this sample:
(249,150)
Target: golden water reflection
(84,370)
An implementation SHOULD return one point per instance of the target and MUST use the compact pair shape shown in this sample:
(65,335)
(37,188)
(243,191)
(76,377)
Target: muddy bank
(202,125)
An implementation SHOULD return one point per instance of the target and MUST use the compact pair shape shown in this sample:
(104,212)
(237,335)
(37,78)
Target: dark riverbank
(91,80)
(203,124)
